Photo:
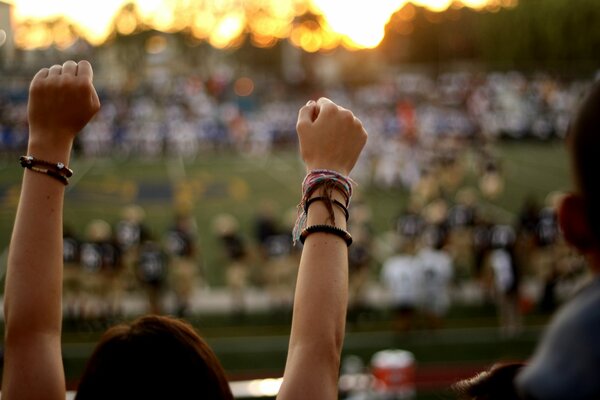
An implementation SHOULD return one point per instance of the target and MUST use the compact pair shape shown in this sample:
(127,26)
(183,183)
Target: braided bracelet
(327,181)
(57,171)
(330,201)
(334,230)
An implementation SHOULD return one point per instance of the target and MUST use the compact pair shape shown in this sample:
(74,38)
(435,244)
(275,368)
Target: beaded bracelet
(329,201)
(58,171)
(334,230)
(326,181)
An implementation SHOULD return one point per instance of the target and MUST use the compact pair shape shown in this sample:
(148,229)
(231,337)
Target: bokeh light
(243,86)
(361,23)
(156,44)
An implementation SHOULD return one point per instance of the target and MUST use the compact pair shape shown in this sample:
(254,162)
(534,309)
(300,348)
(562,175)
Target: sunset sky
(352,23)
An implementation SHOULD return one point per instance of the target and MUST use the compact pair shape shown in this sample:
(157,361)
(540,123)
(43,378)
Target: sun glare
(93,18)
(362,23)
(356,24)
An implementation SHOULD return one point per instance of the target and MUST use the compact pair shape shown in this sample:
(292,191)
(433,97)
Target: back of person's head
(494,384)
(584,143)
(153,358)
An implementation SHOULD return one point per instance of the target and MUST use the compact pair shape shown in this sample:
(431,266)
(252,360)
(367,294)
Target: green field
(228,182)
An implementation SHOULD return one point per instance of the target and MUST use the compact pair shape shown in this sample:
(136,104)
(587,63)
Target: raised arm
(62,100)
(331,138)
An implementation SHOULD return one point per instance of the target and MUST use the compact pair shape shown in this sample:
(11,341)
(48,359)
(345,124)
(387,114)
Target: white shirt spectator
(402,277)
(501,264)
(436,270)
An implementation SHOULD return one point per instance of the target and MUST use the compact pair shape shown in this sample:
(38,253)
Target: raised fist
(330,136)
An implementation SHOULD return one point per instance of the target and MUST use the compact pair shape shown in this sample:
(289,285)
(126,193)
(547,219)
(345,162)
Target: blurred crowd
(186,115)
(426,135)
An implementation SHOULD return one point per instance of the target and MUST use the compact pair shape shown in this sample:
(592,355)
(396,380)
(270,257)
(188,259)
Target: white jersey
(501,263)
(402,278)
(437,271)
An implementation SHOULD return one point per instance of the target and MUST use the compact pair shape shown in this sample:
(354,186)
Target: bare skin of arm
(62,100)
(330,138)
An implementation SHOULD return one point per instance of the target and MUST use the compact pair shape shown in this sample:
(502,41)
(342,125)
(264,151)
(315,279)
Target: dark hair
(497,383)
(584,142)
(154,357)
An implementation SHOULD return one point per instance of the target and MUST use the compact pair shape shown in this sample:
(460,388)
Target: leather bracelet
(334,230)
(57,171)
(333,201)
(60,168)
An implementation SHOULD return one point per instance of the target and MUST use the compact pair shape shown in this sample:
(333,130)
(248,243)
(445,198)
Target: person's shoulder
(567,358)
(582,311)
(579,316)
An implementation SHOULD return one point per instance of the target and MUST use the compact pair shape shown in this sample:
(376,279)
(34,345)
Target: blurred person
(265,225)
(481,244)
(159,357)
(410,223)
(279,271)
(461,222)
(185,142)
(452,169)
(130,232)
(566,361)
(428,187)
(436,268)
(182,250)
(504,279)
(151,271)
(277,266)
(237,270)
(387,167)
(491,180)
(101,263)
(547,235)
(401,276)
(527,232)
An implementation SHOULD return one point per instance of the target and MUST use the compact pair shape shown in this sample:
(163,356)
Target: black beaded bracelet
(327,199)
(334,230)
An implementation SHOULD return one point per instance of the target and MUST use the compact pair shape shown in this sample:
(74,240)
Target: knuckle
(346,117)
(302,125)
(358,124)
(37,86)
(329,108)
(347,114)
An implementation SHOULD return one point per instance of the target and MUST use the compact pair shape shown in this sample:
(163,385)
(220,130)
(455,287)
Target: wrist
(52,152)
(336,168)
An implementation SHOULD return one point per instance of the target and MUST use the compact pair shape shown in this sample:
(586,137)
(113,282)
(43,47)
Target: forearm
(321,297)
(34,275)
(331,139)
